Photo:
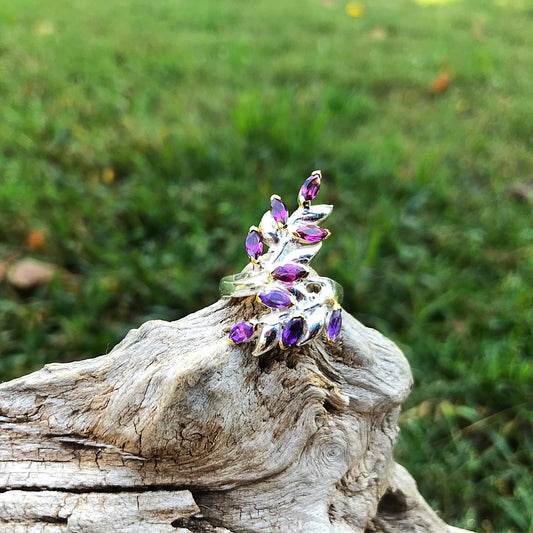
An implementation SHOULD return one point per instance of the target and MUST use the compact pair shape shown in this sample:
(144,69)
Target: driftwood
(176,430)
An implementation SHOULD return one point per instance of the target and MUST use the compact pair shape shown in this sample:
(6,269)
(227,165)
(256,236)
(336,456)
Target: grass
(144,139)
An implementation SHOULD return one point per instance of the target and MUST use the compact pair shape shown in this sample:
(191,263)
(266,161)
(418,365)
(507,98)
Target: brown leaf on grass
(108,175)
(422,410)
(28,273)
(522,191)
(36,239)
(441,83)
(379,33)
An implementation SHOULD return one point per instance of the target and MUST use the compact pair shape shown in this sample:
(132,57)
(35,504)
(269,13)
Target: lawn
(139,141)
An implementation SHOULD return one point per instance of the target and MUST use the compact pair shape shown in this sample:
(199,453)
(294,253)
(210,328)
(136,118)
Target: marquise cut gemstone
(292,331)
(254,244)
(289,273)
(311,233)
(334,326)
(276,299)
(241,332)
(310,188)
(279,211)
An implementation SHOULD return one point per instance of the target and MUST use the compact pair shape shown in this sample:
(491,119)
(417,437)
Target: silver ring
(299,304)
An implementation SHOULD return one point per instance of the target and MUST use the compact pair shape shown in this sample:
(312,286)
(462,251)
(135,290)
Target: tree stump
(176,430)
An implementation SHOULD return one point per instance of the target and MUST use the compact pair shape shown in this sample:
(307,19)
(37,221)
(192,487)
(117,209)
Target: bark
(176,430)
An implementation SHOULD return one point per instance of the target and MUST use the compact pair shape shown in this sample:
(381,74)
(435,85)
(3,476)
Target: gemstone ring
(300,304)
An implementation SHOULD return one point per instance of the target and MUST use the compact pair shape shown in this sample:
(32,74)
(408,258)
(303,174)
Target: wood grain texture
(174,417)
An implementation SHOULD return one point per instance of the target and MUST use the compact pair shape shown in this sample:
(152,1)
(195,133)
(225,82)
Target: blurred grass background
(139,141)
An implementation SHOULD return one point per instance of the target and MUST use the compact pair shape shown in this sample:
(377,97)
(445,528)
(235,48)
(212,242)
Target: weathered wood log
(176,430)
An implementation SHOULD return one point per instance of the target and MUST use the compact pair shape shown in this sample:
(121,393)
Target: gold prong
(335,305)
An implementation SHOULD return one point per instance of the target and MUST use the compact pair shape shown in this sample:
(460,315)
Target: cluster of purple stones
(289,273)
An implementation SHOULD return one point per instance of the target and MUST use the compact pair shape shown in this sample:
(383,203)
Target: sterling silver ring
(300,305)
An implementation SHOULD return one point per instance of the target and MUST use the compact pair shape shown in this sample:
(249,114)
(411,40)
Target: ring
(300,305)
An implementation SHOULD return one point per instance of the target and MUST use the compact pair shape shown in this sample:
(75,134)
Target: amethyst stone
(292,331)
(311,233)
(241,332)
(254,244)
(289,273)
(279,211)
(334,326)
(310,188)
(276,299)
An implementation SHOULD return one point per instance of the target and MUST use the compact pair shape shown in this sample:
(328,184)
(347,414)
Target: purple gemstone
(311,233)
(254,244)
(279,211)
(289,273)
(292,331)
(276,299)
(310,188)
(334,326)
(241,332)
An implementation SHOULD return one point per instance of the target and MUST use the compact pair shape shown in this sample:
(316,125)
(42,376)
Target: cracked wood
(209,437)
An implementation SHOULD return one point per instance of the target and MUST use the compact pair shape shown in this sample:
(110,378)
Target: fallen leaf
(460,326)
(441,83)
(108,175)
(28,273)
(379,33)
(36,239)
(522,191)
(353,9)
(422,410)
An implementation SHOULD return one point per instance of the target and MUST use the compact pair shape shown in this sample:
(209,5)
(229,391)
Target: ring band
(244,284)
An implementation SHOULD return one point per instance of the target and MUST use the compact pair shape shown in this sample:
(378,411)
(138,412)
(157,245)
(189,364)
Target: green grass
(203,109)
